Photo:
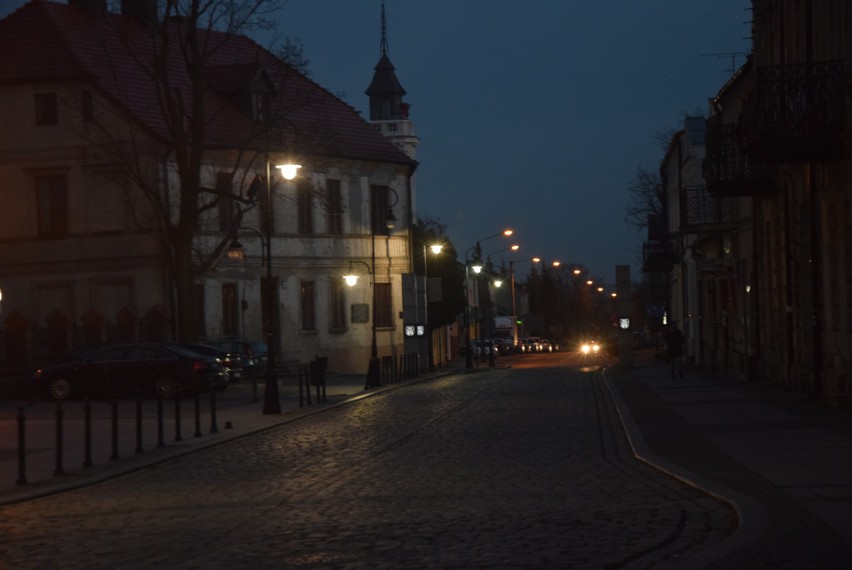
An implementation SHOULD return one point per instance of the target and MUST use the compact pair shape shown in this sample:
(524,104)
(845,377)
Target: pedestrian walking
(674,346)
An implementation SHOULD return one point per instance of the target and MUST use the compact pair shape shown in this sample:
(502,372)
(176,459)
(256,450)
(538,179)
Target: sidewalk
(238,413)
(783,462)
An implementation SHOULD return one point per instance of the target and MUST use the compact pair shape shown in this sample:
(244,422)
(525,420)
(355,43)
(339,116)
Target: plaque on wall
(360,313)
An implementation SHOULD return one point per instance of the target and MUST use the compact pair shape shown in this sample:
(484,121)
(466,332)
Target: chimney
(144,10)
(91,7)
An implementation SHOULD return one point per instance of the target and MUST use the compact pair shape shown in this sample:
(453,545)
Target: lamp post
(373,371)
(271,397)
(436,249)
(476,267)
(351,279)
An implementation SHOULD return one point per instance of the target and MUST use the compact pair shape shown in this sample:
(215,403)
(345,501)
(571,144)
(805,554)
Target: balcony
(701,212)
(659,256)
(657,227)
(728,171)
(795,114)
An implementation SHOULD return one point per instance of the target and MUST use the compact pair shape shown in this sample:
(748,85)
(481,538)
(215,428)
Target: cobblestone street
(506,468)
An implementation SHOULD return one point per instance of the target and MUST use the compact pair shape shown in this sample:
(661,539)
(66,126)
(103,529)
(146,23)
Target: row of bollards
(403,367)
(59,466)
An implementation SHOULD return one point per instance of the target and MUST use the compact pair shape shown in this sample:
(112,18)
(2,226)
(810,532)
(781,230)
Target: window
(337,305)
(46,112)
(52,205)
(304,205)
(383,309)
(261,107)
(308,316)
(87,107)
(230,310)
(379,196)
(224,191)
(335,207)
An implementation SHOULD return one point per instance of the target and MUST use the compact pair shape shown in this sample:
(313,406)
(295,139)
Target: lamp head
(289,171)
(390,219)
(350,279)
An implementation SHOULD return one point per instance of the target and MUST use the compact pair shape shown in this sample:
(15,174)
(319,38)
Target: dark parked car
(125,368)
(232,362)
(253,352)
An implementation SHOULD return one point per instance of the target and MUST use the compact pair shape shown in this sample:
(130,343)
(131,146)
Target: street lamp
(373,370)
(351,279)
(271,397)
(477,268)
(435,249)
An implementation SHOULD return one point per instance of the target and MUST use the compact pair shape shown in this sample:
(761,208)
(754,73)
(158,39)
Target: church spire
(388,112)
(385,91)
(384,44)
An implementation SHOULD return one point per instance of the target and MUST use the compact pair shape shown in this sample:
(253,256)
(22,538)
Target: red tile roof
(46,41)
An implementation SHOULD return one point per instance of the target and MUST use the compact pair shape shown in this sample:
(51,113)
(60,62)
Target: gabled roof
(46,41)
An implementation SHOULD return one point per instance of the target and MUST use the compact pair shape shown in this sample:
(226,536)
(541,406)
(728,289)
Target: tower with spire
(388,112)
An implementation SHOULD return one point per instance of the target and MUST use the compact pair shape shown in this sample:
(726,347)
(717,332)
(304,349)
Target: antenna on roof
(384,45)
(732,54)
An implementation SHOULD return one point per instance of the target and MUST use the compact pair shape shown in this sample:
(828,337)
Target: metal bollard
(197,402)
(301,390)
(139,421)
(178,436)
(22,447)
(87,434)
(114,406)
(214,425)
(161,441)
(60,470)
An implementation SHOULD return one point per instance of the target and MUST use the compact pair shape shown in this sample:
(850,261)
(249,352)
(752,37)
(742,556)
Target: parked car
(232,362)
(535,344)
(254,354)
(124,368)
(504,345)
(480,348)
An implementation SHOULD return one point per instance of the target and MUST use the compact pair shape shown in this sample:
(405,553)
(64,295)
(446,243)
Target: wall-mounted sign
(360,313)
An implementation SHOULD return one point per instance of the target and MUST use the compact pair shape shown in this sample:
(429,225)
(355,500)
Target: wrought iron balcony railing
(795,113)
(727,169)
(702,212)
(659,256)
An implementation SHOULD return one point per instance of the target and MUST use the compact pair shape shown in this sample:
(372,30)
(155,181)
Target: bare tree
(645,197)
(165,153)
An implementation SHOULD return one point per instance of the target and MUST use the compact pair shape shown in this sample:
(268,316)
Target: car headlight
(586,348)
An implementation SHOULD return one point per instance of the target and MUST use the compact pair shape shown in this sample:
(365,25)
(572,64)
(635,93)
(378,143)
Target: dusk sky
(531,114)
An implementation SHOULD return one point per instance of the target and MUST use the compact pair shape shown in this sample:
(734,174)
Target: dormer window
(260,107)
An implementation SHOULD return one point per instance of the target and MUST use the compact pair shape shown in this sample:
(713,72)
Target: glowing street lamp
(271,397)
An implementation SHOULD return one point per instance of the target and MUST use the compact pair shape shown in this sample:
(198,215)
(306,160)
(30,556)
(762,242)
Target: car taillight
(198,365)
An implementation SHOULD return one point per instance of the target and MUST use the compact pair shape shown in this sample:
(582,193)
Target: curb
(752,516)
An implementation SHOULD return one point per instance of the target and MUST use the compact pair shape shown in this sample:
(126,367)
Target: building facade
(93,198)
(771,282)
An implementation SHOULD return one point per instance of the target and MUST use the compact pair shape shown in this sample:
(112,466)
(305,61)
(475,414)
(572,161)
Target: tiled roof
(50,42)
